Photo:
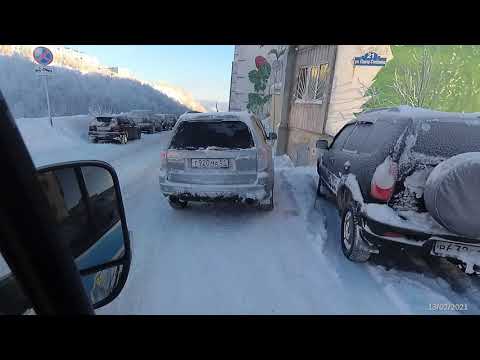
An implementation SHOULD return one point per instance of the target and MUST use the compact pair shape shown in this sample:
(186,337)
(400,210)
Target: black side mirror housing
(321,144)
(86,201)
(272,136)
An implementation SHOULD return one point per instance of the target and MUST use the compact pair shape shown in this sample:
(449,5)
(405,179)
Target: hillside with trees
(73,91)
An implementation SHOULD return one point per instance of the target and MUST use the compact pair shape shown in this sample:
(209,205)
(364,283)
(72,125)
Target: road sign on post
(44,57)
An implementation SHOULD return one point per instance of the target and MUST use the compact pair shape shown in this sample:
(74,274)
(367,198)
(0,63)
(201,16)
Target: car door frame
(27,235)
(329,167)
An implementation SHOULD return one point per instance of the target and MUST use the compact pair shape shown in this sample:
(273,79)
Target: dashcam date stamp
(447,307)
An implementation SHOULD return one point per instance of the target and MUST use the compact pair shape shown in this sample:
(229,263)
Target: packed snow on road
(234,259)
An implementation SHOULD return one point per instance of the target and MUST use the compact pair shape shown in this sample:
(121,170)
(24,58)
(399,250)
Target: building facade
(316,89)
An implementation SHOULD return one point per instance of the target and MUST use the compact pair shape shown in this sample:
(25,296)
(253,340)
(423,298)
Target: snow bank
(67,131)
(283,162)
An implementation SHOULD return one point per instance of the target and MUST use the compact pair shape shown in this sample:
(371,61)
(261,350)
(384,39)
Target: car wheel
(267,204)
(176,203)
(123,139)
(350,238)
(139,134)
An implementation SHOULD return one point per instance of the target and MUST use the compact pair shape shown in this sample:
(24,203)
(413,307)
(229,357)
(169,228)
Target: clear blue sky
(203,70)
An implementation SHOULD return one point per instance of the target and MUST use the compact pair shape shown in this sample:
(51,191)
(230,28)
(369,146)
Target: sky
(202,70)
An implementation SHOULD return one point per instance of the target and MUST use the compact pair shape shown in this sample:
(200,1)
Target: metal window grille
(312,83)
(302,79)
(318,77)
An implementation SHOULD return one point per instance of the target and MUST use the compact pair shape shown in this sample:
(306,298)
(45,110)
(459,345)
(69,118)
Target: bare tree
(415,84)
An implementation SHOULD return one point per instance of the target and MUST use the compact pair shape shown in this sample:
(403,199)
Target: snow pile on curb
(283,162)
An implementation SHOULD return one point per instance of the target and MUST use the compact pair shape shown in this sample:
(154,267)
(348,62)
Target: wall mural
(440,77)
(259,78)
(263,82)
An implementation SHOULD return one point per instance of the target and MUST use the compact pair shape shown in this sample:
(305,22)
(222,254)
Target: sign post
(44,57)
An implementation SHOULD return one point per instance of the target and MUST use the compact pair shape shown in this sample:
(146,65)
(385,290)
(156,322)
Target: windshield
(244,189)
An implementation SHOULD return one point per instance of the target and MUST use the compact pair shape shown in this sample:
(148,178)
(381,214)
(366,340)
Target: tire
(139,133)
(350,238)
(267,205)
(176,203)
(123,139)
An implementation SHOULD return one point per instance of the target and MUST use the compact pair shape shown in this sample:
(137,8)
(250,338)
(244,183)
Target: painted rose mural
(259,78)
(263,76)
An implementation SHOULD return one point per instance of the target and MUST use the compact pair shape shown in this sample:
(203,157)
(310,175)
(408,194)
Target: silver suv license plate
(210,163)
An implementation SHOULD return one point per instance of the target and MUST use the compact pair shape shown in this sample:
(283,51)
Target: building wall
(307,122)
(350,84)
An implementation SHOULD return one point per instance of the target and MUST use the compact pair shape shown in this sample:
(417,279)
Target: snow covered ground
(231,259)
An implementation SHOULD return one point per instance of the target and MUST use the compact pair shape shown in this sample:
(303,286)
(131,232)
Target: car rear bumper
(105,135)
(201,192)
(377,235)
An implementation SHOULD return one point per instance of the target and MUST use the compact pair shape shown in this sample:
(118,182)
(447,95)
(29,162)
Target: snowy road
(231,259)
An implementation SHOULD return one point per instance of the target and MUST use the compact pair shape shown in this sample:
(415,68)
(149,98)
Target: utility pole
(45,84)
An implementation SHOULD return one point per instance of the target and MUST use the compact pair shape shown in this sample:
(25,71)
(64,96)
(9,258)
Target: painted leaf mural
(259,78)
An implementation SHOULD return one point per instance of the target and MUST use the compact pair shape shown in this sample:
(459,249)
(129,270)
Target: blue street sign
(42,55)
(369,59)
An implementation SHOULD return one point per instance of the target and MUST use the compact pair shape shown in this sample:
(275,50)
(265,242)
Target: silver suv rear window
(195,135)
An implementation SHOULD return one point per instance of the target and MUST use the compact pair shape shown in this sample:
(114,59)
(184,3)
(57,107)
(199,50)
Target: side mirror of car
(86,202)
(272,136)
(321,144)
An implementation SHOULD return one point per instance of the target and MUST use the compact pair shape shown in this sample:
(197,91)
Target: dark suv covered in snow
(406,176)
(113,128)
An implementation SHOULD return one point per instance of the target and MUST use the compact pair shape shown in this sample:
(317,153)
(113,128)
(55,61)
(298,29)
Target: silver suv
(218,156)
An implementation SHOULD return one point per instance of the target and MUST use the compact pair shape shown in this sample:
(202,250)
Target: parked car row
(123,127)
(400,177)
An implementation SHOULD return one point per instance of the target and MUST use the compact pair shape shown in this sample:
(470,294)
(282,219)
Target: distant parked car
(113,128)
(168,121)
(218,156)
(408,177)
(146,121)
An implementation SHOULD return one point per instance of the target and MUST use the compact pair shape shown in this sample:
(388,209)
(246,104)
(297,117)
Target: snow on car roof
(404,112)
(226,115)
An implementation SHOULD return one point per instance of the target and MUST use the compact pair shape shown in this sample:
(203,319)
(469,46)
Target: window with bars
(312,83)
(301,83)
